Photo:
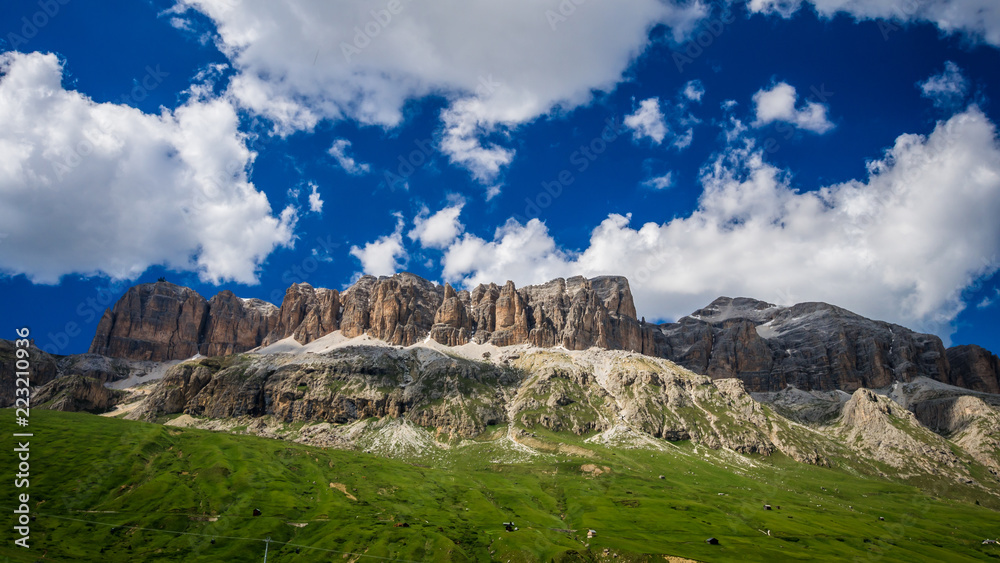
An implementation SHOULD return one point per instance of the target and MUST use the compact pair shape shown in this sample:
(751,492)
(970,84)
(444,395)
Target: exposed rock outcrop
(235,325)
(452,322)
(609,395)
(77,393)
(399,309)
(512,325)
(975,368)
(46,374)
(888,433)
(402,308)
(101,368)
(811,346)
(162,321)
(429,389)
(574,313)
(43,368)
(356,316)
(306,314)
(461,398)
(159,321)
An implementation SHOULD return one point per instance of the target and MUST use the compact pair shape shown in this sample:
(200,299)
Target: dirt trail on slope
(343,488)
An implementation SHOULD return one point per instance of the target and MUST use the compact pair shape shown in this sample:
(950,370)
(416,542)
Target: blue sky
(789,151)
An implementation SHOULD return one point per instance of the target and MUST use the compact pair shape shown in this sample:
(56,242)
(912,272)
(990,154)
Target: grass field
(114,490)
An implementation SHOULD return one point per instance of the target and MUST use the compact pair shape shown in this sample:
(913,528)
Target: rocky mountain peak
(164,321)
(726,308)
(978,367)
(812,346)
(891,434)
(616,294)
(154,321)
(234,325)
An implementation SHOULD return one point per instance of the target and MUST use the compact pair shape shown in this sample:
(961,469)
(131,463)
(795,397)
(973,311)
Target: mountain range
(402,347)
(399,367)
(811,346)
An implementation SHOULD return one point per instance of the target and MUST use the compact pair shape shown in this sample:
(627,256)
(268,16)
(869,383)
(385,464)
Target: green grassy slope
(114,490)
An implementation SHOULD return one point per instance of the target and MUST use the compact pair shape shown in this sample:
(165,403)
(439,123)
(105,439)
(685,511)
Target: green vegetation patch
(114,490)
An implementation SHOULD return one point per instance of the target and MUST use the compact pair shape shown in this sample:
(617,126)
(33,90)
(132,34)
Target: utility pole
(266,542)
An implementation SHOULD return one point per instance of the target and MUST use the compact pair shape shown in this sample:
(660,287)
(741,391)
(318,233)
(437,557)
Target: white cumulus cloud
(384,256)
(338,150)
(979,20)
(498,64)
(664,182)
(315,201)
(104,189)
(948,89)
(660,120)
(648,121)
(463,129)
(989,300)
(438,230)
(900,245)
(694,90)
(778,104)
(523,253)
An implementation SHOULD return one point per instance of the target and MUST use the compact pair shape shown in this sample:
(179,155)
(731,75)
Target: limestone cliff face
(165,322)
(598,391)
(43,369)
(974,368)
(968,421)
(399,309)
(888,433)
(402,308)
(452,322)
(575,313)
(76,393)
(162,321)
(235,325)
(306,314)
(811,346)
(157,322)
(356,316)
